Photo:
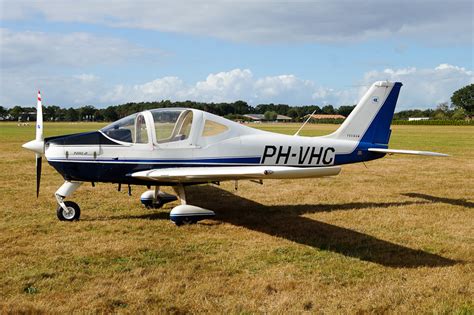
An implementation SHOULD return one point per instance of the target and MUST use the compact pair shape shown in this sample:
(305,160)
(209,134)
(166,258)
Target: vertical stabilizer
(371,118)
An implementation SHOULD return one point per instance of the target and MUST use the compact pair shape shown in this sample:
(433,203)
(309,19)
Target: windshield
(172,124)
(130,129)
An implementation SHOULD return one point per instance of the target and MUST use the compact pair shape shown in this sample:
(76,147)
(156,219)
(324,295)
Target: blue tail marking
(379,130)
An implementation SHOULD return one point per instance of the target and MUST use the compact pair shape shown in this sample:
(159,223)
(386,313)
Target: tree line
(461,108)
(235,110)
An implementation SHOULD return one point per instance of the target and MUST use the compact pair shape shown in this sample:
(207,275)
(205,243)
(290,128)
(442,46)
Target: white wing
(221,173)
(393,151)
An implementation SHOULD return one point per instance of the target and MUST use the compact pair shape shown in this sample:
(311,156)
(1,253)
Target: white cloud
(274,86)
(37,60)
(28,49)
(86,77)
(423,88)
(159,89)
(227,86)
(223,86)
(62,90)
(268,21)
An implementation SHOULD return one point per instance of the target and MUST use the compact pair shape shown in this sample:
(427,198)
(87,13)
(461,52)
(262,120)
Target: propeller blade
(37,145)
(38,173)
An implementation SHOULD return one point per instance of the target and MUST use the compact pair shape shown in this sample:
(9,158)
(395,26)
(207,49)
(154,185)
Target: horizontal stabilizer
(412,152)
(208,174)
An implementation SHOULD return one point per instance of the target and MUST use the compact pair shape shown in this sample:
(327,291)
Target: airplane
(179,147)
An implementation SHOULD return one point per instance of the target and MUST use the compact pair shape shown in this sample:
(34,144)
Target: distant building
(323,116)
(418,118)
(25,116)
(261,117)
(255,117)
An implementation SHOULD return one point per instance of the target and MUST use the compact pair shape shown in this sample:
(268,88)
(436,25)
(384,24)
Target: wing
(393,151)
(221,173)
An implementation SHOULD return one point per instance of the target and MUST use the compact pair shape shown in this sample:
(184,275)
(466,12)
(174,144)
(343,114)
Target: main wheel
(184,221)
(188,221)
(156,205)
(72,214)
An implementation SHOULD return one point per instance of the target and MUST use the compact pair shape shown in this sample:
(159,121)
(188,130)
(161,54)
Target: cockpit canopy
(170,125)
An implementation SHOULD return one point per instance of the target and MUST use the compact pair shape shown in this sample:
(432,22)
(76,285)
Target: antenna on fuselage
(309,117)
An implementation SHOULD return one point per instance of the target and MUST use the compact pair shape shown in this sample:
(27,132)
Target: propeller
(38,173)
(37,145)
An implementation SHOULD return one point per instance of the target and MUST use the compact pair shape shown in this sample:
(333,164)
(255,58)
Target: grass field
(395,236)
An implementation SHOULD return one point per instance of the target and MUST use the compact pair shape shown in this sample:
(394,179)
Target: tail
(369,125)
(370,120)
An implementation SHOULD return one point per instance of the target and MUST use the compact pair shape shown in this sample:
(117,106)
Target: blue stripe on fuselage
(229,160)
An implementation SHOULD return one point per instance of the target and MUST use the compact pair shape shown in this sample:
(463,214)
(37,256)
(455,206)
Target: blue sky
(318,52)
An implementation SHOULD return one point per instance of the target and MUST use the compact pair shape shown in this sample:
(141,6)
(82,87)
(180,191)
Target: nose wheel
(67,210)
(71,213)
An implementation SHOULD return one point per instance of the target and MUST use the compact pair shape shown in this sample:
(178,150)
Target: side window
(212,128)
(172,125)
(164,124)
(185,128)
(141,134)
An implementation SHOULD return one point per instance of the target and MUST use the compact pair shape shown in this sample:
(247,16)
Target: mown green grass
(393,237)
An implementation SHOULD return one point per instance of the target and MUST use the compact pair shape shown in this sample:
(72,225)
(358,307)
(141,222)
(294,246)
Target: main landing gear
(187,214)
(182,214)
(155,199)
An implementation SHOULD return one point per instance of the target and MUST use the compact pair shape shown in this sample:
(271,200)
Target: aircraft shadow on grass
(434,199)
(286,221)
